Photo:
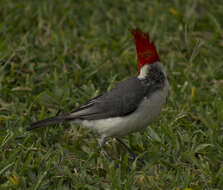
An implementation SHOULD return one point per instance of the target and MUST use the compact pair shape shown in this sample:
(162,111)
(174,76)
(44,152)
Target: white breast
(119,126)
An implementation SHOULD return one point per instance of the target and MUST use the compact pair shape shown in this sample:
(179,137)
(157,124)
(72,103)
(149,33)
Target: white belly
(119,126)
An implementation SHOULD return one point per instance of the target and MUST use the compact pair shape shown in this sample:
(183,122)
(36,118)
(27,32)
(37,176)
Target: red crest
(146,50)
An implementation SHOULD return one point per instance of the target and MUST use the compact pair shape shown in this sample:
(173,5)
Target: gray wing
(120,101)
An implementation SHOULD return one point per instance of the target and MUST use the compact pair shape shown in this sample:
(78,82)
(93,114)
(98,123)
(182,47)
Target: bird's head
(146,50)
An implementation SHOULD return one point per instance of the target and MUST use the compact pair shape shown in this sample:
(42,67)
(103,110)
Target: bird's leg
(133,155)
(101,142)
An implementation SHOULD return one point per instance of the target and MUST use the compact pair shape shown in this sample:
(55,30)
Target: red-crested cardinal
(128,107)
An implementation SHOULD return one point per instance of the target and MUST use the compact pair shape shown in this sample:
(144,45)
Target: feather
(146,50)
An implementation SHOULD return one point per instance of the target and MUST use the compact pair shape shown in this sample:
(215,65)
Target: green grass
(55,55)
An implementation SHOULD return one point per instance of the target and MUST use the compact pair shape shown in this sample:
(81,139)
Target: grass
(55,55)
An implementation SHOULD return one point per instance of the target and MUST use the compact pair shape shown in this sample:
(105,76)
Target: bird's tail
(46,122)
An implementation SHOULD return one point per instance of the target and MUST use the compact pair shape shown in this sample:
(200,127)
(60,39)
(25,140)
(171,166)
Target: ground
(55,55)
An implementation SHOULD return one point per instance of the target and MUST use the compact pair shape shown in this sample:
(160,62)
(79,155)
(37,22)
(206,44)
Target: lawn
(55,55)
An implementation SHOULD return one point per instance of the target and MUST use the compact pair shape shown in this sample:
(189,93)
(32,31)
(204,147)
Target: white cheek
(144,71)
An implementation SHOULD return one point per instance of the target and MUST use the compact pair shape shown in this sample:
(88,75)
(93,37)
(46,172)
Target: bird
(130,106)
